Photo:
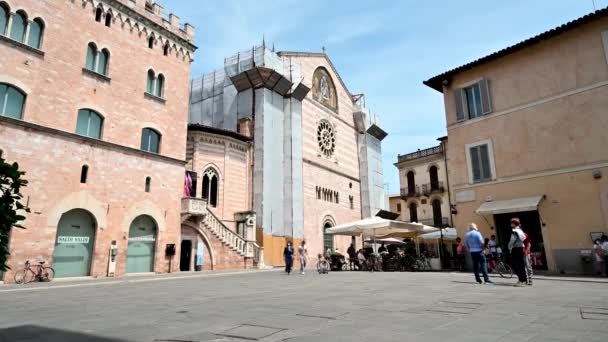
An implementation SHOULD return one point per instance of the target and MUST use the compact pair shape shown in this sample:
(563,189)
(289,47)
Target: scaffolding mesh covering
(214,100)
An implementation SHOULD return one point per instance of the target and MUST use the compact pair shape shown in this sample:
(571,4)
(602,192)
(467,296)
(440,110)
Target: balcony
(445,222)
(410,192)
(420,153)
(194,206)
(433,188)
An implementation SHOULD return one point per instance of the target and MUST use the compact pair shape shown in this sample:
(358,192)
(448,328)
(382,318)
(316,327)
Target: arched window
(18,26)
(434,178)
(109,19)
(102,63)
(150,140)
(4,12)
(89,124)
(148,183)
(328,239)
(411,183)
(160,85)
(91,56)
(35,36)
(151,42)
(84,173)
(166,49)
(151,82)
(413,212)
(437,218)
(11,101)
(210,187)
(98,14)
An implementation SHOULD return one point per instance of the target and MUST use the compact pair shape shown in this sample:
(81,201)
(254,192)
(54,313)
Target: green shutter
(95,122)
(160,84)
(154,142)
(3,94)
(485,162)
(460,110)
(150,84)
(35,34)
(13,104)
(475,164)
(3,20)
(145,139)
(486,101)
(82,125)
(91,52)
(102,65)
(18,28)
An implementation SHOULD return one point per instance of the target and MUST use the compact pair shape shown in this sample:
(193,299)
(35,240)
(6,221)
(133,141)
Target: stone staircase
(196,209)
(229,238)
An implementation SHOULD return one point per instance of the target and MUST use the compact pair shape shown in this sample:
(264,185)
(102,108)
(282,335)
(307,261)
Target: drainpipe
(443,141)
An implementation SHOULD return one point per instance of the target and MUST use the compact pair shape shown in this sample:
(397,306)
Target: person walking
(352,256)
(605,250)
(459,254)
(599,256)
(516,247)
(528,258)
(288,255)
(494,250)
(303,256)
(473,242)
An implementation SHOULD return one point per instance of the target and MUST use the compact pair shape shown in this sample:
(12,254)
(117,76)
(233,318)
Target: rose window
(326,138)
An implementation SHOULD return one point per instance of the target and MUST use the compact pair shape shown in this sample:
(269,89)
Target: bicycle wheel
(25,276)
(47,274)
(508,271)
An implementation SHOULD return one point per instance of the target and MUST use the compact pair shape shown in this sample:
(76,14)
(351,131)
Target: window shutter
(485,162)
(458,96)
(486,102)
(475,164)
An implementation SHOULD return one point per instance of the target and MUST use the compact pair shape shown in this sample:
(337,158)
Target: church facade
(280,150)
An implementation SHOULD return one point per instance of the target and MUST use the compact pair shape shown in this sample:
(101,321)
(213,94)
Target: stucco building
(527,136)
(281,150)
(101,141)
(423,195)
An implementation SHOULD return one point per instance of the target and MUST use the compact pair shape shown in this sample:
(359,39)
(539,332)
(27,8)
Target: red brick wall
(56,88)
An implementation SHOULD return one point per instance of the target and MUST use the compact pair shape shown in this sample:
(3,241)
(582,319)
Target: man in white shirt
(516,247)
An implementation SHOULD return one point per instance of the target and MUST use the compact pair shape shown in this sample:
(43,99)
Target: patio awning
(510,206)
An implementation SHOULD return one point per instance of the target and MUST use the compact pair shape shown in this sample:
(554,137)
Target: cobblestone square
(270,306)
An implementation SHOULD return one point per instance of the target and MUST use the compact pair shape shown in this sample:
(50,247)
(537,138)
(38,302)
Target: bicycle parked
(422,263)
(503,269)
(34,273)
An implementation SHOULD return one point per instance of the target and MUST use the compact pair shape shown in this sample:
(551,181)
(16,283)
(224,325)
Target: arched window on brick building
(210,187)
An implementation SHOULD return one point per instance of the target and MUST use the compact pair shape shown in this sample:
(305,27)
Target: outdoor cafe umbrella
(379,227)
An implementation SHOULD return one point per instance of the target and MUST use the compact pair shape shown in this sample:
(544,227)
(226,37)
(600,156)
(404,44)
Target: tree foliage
(11,182)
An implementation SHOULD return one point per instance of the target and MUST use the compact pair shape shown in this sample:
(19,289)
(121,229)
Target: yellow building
(527,138)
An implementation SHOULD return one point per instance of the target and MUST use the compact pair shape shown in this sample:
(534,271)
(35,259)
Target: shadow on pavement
(475,283)
(33,333)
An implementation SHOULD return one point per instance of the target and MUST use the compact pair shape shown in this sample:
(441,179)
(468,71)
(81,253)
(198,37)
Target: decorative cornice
(149,25)
(82,139)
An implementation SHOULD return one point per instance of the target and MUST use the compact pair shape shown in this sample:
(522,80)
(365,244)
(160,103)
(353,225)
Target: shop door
(530,223)
(185,255)
(142,241)
(74,244)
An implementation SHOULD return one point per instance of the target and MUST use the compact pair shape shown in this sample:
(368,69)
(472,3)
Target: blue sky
(384,49)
